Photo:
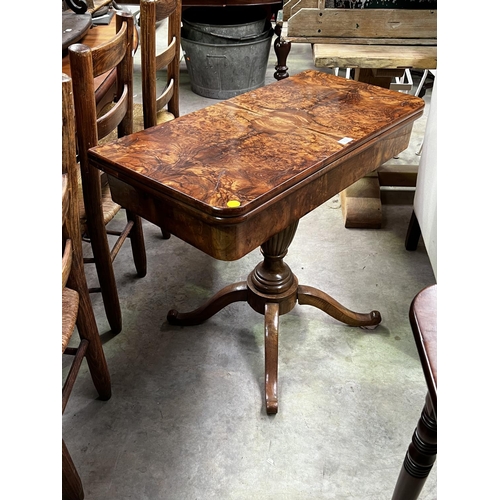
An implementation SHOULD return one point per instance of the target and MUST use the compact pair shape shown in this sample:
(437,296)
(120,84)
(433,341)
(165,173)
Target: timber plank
(374,56)
(364,23)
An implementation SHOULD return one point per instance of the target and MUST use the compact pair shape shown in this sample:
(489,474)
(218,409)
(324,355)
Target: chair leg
(413,233)
(137,242)
(420,456)
(87,329)
(98,367)
(72,488)
(105,272)
(166,235)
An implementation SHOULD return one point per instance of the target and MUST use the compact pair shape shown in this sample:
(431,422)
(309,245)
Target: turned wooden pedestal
(241,173)
(273,290)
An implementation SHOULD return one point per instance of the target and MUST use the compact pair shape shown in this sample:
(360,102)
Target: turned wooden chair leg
(166,235)
(420,456)
(137,242)
(106,276)
(281,49)
(72,488)
(413,233)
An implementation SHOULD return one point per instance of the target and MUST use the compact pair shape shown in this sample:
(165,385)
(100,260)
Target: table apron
(232,238)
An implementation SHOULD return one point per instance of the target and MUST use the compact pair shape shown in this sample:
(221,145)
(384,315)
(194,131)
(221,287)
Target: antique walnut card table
(241,173)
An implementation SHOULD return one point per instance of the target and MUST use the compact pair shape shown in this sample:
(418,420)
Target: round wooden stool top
(423,320)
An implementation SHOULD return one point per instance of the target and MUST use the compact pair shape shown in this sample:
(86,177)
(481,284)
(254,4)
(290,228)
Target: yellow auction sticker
(233,203)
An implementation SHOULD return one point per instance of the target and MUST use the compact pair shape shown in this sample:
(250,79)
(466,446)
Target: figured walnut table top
(251,147)
(264,158)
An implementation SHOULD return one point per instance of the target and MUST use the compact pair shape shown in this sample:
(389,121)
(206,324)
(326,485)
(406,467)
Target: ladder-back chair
(164,106)
(98,208)
(76,305)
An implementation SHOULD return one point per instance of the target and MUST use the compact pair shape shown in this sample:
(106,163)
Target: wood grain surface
(252,147)
(228,177)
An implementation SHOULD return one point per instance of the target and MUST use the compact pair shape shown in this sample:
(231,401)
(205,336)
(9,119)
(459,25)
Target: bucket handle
(214,56)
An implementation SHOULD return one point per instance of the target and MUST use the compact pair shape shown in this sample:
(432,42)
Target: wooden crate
(310,21)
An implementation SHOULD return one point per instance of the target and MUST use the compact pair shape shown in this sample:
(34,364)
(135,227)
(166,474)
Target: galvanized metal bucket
(221,67)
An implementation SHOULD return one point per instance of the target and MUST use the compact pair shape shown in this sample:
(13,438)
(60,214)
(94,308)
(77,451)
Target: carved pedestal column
(272,289)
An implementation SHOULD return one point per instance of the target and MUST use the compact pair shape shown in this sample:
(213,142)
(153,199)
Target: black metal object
(77,6)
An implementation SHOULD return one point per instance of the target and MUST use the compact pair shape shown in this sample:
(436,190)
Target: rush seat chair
(76,305)
(97,208)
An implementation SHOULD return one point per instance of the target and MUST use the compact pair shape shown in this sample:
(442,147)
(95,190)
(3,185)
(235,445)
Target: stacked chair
(159,107)
(97,208)
(76,305)
(87,206)
(164,107)
(97,123)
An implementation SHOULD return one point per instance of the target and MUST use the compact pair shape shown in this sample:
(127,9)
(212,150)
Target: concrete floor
(187,421)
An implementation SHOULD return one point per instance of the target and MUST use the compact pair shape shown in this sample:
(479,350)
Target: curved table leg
(313,297)
(237,292)
(271,356)
(272,289)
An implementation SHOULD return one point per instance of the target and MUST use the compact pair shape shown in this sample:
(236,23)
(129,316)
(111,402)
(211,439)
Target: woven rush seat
(70,300)
(109,207)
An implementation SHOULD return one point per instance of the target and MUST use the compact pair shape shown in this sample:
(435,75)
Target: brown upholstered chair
(76,306)
(97,206)
(422,451)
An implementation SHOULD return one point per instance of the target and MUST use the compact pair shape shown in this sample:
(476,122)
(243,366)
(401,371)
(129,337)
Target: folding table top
(228,158)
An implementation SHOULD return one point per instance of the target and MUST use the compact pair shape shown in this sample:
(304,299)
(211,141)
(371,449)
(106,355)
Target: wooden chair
(76,306)
(422,451)
(158,106)
(98,208)
(164,107)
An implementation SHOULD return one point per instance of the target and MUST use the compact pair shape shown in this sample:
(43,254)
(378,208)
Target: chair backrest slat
(110,120)
(87,63)
(166,57)
(106,56)
(165,97)
(169,58)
